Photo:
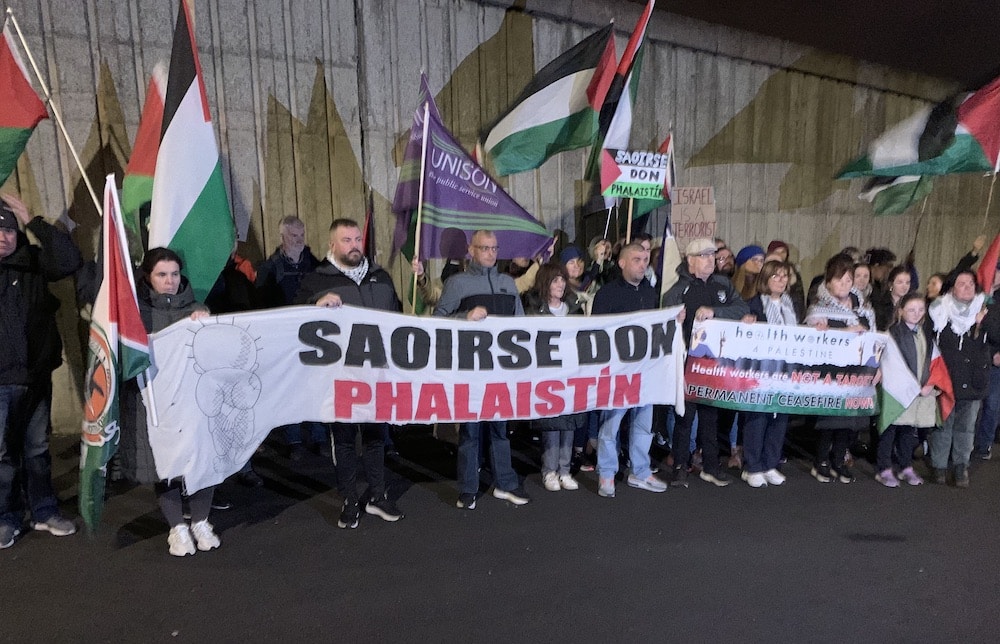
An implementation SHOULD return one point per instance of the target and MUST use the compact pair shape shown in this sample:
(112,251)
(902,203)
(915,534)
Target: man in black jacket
(347,277)
(30,349)
(629,292)
(705,295)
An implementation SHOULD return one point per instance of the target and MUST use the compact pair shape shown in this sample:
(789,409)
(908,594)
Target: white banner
(224,382)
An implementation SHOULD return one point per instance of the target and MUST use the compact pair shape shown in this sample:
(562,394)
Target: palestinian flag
(557,111)
(988,265)
(899,387)
(137,186)
(619,131)
(118,350)
(459,198)
(21,108)
(670,259)
(190,209)
(953,136)
(895,195)
(615,122)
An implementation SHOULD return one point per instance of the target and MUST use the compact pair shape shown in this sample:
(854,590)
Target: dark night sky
(953,39)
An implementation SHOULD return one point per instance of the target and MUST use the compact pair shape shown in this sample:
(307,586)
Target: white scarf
(357,273)
(962,317)
(781,311)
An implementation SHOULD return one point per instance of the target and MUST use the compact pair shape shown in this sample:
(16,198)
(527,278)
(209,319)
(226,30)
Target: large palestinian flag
(190,210)
(20,107)
(953,136)
(557,111)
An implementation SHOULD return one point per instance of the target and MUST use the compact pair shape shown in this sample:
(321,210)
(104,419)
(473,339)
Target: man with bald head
(630,292)
(472,295)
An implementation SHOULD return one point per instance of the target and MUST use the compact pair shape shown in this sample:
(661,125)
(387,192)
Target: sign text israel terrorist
(794,370)
(640,174)
(221,385)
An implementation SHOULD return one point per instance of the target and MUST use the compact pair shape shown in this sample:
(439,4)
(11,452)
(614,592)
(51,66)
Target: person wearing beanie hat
(581,283)
(778,245)
(747,253)
(31,351)
(749,261)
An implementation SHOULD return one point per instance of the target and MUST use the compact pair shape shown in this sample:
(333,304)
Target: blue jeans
(557,451)
(763,439)
(986,430)
(954,437)
(640,437)
(504,477)
(24,453)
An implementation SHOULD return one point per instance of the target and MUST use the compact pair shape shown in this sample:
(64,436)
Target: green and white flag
(190,209)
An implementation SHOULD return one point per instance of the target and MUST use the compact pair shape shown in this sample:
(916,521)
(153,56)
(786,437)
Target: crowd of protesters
(755,284)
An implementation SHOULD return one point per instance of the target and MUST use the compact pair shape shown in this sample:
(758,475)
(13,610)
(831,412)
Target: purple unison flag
(458,196)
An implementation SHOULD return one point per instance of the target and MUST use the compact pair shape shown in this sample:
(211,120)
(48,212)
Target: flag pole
(607,223)
(420,203)
(989,200)
(628,225)
(55,111)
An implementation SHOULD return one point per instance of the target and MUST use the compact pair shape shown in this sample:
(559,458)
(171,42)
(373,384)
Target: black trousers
(345,458)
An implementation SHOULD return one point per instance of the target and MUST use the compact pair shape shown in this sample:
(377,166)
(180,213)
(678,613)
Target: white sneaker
(180,541)
(567,482)
(650,483)
(206,537)
(774,477)
(755,479)
(551,482)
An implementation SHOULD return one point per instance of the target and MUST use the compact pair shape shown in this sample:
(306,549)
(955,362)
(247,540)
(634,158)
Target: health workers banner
(222,383)
(787,369)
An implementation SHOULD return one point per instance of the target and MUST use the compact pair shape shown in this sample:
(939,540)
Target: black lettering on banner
(313,334)
(365,345)
(593,346)
(402,355)
(473,349)
(442,349)
(519,358)
(544,347)
(630,342)
(662,340)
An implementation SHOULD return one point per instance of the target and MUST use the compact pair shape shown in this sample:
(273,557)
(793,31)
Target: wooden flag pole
(420,205)
(55,113)
(989,200)
(628,224)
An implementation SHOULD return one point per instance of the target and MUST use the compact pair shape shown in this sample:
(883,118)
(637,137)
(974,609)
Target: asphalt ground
(803,562)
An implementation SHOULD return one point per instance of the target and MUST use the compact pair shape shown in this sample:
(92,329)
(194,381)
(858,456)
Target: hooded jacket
(716,293)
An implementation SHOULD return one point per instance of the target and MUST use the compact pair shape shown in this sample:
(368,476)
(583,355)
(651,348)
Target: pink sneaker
(887,478)
(910,477)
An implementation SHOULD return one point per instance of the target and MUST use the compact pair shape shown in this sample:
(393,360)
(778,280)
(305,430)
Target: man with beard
(347,277)
(725,262)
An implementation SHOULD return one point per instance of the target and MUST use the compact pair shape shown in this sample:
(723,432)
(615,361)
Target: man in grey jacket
(480,291)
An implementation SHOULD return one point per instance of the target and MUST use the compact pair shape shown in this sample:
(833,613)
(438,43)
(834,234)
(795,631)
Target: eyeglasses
(723,258)
(487,249)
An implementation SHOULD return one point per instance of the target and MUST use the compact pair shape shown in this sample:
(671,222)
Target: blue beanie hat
(568,253)
(746,253)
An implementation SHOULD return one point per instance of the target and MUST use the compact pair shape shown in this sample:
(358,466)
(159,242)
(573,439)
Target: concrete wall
(313,99)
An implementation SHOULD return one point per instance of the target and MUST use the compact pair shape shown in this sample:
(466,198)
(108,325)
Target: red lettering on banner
(393,402)
(627,390)
(461,401)
(523,399)
(346,394)
(496,400)
(552,403)
(433,403)
(581,387)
